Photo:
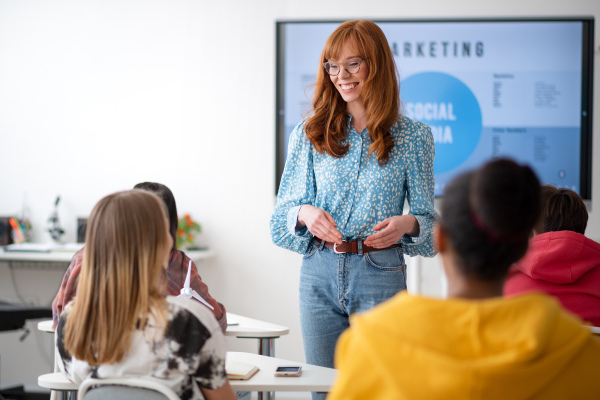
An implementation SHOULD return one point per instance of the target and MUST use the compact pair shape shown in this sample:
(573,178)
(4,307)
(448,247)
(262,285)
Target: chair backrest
(125,389)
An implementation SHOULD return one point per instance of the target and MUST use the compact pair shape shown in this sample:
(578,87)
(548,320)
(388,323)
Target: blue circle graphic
(449,107)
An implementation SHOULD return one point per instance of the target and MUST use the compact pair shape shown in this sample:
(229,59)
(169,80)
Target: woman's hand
(320,223)
(395,228)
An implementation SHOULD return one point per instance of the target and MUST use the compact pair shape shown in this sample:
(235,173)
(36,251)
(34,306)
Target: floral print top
(356,190)
(187,355)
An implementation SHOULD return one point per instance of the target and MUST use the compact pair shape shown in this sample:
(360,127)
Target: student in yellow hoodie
(475,344)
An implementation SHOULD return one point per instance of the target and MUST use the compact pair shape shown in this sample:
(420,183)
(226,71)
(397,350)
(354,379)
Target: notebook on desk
(240,371)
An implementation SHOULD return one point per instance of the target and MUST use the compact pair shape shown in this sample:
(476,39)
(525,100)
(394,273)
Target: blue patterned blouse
(355,190)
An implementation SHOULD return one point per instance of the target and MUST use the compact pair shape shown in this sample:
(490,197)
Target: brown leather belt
(354,246)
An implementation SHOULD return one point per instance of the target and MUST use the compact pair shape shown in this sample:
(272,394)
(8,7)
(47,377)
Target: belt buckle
(335,248)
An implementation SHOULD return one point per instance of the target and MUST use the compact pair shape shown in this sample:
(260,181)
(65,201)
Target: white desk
(595,329)
(64,253)
(265,332)
(45,326)
(248,328)
(57,381)
(312,379)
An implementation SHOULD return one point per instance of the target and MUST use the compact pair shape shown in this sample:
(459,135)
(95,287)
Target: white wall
(96,96)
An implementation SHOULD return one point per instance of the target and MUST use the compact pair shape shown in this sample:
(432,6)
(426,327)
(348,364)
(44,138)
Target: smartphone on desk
(288,370)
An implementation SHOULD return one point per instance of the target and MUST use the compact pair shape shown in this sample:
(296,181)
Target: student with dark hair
(475,344)
(176,271)
(167,197)
(561,261)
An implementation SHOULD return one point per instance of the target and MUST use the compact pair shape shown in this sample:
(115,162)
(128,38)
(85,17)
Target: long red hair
(326,127)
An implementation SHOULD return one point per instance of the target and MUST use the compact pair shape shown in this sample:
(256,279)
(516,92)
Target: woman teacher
(351,164)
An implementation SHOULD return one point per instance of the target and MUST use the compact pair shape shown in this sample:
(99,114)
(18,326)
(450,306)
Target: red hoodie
(565,265)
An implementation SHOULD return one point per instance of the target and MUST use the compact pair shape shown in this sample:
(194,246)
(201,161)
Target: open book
(240,371)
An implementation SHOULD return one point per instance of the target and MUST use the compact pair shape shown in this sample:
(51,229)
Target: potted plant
(187,229)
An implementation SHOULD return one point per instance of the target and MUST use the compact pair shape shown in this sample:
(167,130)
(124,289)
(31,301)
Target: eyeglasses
(351,66)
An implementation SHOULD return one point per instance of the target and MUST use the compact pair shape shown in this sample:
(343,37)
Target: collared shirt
(356,190)
(176,273)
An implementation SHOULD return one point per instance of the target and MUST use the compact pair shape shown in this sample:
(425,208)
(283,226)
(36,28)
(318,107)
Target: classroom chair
(124,389)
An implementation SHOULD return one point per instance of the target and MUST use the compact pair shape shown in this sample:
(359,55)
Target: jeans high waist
(334,286)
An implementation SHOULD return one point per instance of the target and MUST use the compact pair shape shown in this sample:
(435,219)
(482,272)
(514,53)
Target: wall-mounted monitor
(488,88)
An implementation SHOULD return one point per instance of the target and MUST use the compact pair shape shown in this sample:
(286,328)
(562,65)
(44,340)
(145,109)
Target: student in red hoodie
(560,260)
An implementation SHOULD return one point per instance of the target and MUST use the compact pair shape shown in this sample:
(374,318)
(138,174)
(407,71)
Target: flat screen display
(520,88)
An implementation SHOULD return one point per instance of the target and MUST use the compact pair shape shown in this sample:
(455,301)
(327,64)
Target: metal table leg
(266,347)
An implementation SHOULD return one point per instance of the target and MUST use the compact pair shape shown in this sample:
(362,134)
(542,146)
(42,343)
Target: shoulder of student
(198,310)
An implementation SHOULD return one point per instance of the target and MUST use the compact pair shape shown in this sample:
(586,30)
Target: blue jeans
(334,286)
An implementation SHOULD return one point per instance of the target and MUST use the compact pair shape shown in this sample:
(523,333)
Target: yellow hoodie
(411,347)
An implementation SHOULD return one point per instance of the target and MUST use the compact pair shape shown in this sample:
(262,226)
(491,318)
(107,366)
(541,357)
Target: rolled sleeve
(292,221)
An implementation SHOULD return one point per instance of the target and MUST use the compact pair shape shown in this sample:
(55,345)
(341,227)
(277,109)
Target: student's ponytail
(488,215)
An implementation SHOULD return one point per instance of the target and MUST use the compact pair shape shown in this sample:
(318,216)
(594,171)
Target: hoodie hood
(560,257)
(525,347)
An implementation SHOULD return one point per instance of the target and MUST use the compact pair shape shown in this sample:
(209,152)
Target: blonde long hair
(121,276)
(326,127)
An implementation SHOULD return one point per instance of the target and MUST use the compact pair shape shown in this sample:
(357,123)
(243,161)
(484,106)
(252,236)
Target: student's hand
(395,228)
(320,223)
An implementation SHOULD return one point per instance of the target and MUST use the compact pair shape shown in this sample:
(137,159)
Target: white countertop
(49,252)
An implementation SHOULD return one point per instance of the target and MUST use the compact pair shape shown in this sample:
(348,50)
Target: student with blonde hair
(176,271)
(120,324)
(475,344)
